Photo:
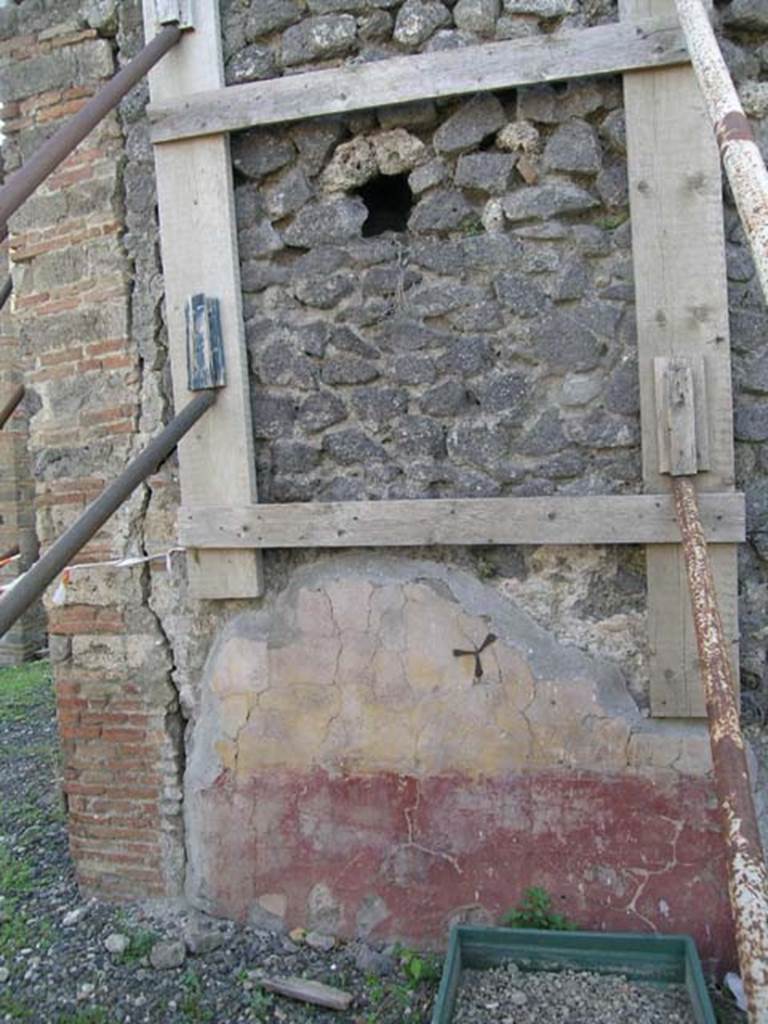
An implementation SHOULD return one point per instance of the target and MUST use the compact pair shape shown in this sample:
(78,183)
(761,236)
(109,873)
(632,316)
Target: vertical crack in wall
(153,408)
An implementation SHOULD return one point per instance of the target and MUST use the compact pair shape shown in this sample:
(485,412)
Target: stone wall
(488,348)
(485,349)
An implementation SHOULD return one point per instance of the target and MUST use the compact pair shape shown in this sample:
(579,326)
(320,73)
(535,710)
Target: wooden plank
(314,992)
(682,312)
(616,519)
(604,50)
(676,419)
(199,247)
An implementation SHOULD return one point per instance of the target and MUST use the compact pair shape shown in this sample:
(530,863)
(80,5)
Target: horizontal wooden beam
(622,519)
(604,50)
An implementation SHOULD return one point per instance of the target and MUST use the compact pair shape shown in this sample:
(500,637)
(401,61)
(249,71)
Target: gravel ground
(508,995)
(66,961)
(55,961)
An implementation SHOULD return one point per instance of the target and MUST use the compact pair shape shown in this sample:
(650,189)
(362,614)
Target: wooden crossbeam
(616,519)
(603,50)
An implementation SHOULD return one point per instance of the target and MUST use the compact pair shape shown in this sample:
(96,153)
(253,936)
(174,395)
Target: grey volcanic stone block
(448,399)
(751,15)
(508,394)
(751,423)
(550,200)
(517,293)
(258,152)
(271,16)
(273,415)
(419,436)
(441,211)
(574,147)
(379,405)
(320,411)
(486,172)
(477,15)
(313,38)
(418,19)
(252,64)
(294,457)
(348,371)
(334,221)
(473,121)
(352,447)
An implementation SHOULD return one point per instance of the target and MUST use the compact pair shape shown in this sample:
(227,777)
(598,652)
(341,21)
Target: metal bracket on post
(175,12)
(205,344)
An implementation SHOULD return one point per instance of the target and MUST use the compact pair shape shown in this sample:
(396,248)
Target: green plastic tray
(659,959)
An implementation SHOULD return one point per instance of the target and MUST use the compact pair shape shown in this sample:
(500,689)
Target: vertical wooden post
(682,311)
(199,249)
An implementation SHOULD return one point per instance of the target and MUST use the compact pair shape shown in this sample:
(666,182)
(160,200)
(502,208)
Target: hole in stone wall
(389,200)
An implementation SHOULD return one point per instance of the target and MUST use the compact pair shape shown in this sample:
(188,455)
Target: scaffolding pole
(747,877)
(741,157)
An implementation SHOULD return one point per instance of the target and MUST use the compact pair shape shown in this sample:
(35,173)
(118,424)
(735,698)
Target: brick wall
(17,528)
(72,315)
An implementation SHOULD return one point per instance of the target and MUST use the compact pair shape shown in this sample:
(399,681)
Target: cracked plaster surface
(351,669)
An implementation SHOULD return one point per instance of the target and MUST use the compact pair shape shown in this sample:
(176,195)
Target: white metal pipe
(741,157)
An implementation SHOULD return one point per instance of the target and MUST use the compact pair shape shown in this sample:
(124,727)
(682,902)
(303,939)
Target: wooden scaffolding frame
(678,251)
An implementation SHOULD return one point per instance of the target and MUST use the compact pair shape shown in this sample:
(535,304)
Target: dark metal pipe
(5,291)
(747,876)
(23,183)
(12,404)
(58,556)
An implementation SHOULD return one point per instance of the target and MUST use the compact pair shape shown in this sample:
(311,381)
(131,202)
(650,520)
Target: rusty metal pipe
(23,183)
(12,404)
(741,157)
(31,585)
(5,291)
(747,876)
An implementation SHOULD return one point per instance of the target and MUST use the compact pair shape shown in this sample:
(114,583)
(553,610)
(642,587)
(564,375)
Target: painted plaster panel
(348,766)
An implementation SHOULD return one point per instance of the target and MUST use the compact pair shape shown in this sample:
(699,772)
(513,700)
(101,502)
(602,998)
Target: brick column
(74,285)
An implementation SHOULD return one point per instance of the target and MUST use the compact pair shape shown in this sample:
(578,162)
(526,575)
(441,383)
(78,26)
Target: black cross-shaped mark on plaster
(475,653)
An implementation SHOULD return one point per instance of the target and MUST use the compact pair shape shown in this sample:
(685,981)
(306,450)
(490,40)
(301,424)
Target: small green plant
(611,221)
(261,1004)
(535,911)
(418,968)
(140,942)
(472,225)
(190,1003)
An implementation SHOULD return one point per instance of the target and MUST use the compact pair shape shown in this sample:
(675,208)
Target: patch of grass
(23,688)
(535,911)
(140,942)
(261,1005)
(14,1009)
(16,932)
(90,1015)
(15,875)
(190,1004)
